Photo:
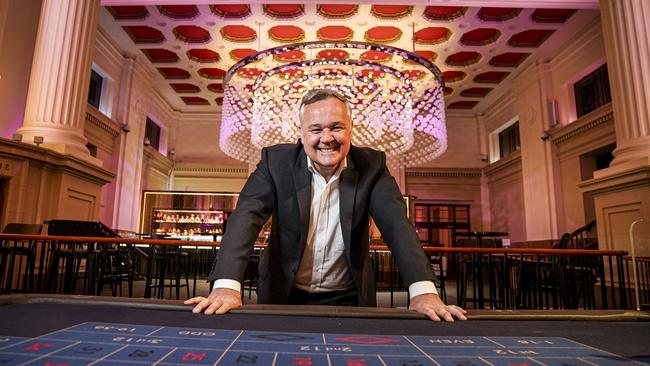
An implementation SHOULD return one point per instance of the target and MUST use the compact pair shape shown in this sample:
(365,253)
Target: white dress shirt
(324,267)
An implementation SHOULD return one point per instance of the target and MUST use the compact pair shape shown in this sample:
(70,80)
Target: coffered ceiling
(190,46)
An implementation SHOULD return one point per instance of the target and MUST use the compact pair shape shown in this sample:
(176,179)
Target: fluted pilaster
(626,31)
(58,86)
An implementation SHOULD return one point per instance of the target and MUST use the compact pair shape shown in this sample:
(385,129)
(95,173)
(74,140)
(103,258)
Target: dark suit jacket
(281,187)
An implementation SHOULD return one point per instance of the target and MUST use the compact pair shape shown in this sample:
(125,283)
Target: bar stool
(170,266)
(18,253)
(115,265)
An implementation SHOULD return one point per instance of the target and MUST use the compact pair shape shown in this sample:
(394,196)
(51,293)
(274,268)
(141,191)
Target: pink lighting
(397,104)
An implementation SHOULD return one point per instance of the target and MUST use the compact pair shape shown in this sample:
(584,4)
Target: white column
(626,29)
(60,75)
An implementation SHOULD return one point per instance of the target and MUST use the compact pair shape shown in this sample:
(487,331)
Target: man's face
(326,130)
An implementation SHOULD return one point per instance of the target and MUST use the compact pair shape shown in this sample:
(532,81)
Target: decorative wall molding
(509,162)
(96,118)
(585,123)
(53,161)
(158,161)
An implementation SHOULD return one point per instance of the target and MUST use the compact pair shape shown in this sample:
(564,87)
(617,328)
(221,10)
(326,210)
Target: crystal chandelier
(396,98)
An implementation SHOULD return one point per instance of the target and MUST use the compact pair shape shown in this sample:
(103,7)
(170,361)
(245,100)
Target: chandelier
(396,98)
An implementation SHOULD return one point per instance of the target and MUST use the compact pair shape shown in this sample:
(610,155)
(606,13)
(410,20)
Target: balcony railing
(499,278)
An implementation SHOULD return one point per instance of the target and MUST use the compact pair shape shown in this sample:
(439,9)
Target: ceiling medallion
(397,104)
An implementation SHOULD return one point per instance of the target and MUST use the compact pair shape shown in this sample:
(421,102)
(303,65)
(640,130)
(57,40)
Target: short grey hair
(316,95)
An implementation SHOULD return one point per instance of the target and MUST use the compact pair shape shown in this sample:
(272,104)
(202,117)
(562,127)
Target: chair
(18,253)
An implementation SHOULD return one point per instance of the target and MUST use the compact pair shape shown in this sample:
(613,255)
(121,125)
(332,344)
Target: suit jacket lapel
(347,192)
(302,182)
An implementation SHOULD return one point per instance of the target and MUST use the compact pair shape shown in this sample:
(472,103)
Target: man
(321,193)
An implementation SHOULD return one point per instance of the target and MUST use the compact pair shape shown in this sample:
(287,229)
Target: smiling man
(321,193)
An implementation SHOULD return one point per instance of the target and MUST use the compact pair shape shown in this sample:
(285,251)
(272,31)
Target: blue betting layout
(123,344)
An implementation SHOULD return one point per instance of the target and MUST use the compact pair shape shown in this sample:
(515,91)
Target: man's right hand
(220,301)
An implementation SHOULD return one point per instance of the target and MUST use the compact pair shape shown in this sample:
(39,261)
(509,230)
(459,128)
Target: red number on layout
(356,362)
(37,346)
(189,356)
(50,363)
(302,361)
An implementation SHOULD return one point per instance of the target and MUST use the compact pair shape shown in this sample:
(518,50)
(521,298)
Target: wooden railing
(502,278)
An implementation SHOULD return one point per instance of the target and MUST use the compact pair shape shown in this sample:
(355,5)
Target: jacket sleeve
(388,210)
(255,205)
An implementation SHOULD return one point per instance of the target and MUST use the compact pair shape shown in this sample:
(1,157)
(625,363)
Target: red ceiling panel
(144,34)
(491,77)
(238,33)
(195,101)
(231,11)
(383,34)
(160,55)
(453,76)
(286,33)
(509,59)
(128,12)
(391,11)
(179,11)
(203,55)
(480,37)
(475,92)
(497,14)
(284,11)
(335,33)
(192,34)
(437,13)
(212,73)
(432,35)
(185,88)
(463,58)
(552,15)
(241,53)
(173,73)
(530,38)
(429,55)
(336,11)
(215,87)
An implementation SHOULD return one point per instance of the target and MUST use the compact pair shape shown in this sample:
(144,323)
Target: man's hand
(220,301)
(432,306)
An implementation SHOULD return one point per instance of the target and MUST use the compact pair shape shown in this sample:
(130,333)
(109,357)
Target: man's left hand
(432,306)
